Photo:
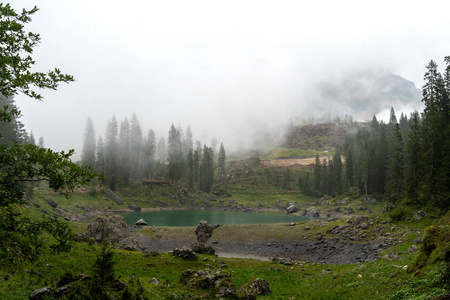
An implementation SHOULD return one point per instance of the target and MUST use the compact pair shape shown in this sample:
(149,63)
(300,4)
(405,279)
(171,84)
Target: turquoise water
(190,218)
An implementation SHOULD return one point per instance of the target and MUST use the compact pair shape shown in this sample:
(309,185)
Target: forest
(396,246)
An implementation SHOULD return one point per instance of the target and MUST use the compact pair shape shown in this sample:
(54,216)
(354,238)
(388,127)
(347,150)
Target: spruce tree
(396,167)
(135,146)
(221,162)
(317,175)
(100,156)
(89,145)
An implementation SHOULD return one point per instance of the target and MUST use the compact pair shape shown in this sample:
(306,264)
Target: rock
(413,248)
(113,196)
(303,212)
(134,207)
(419,215)
(203,248)
(219,281)
(50,201)
(292,209)
(154,281)
(204,231)
(110,228)
(369,200)
(141,222)
(313,213)
(61,291)
(118,286)
(226,288)
(185,253)
(255,288)
(38,294)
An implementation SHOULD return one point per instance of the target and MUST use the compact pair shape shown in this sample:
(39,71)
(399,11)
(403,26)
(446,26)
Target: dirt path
(292,162)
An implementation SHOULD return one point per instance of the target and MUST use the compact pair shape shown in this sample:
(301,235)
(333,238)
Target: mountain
(364,94)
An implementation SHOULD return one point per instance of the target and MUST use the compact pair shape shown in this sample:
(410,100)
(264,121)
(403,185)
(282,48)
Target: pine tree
(161,152)
(175,153)
(221,162)
(414,173)
(89,145)
(190,178)
(148,154)
(100,156)
(124,151)
(135,146)
(349,168)
(41,142)
(337,165)
(111,152)
(396,167)
(207,169)
(317,175)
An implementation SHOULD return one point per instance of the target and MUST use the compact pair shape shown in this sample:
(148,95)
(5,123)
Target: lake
(190,218)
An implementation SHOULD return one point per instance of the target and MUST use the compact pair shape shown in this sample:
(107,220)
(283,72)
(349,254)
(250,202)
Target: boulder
(50,201)
(204,231)
(113,196)
(134,207)
(141,222)
(38,294)
(292,209)
(219,281)
(419,215)
(185,253)
(110,228)
(154,281)
(303,212)
(203,248)
(254,288)
(313,213)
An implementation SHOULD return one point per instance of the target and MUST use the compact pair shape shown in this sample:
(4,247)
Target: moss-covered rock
(435,246)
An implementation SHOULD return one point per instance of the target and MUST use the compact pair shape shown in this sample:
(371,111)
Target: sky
(225,68)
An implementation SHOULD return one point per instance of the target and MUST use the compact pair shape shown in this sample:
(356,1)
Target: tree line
(403,159)
(127,154)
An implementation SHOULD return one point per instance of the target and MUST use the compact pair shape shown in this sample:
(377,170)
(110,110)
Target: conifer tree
(415,159)
(190,178)
(175,154)
(396,167)
(148,154)
(337,166)
(207,169)
(221,162)
(135,146)
(89,145)
(124,150)
(111,151)
(100,156)
(317,175)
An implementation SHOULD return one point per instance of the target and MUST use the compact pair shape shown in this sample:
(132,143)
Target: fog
(228,69)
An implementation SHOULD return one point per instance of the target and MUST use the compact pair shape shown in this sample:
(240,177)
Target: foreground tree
(20,236)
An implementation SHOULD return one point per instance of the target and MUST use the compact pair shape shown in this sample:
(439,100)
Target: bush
(65,279)
(398,214)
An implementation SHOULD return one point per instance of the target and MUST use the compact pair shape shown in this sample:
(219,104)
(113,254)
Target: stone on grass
(109,228)
(185,253)
(40,293)
(255,288)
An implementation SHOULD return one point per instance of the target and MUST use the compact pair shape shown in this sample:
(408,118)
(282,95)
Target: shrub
(398,214)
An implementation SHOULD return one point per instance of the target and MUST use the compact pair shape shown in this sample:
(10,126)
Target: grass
(375,280)
(293,153)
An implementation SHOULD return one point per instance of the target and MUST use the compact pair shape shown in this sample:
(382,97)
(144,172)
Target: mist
(228,70)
